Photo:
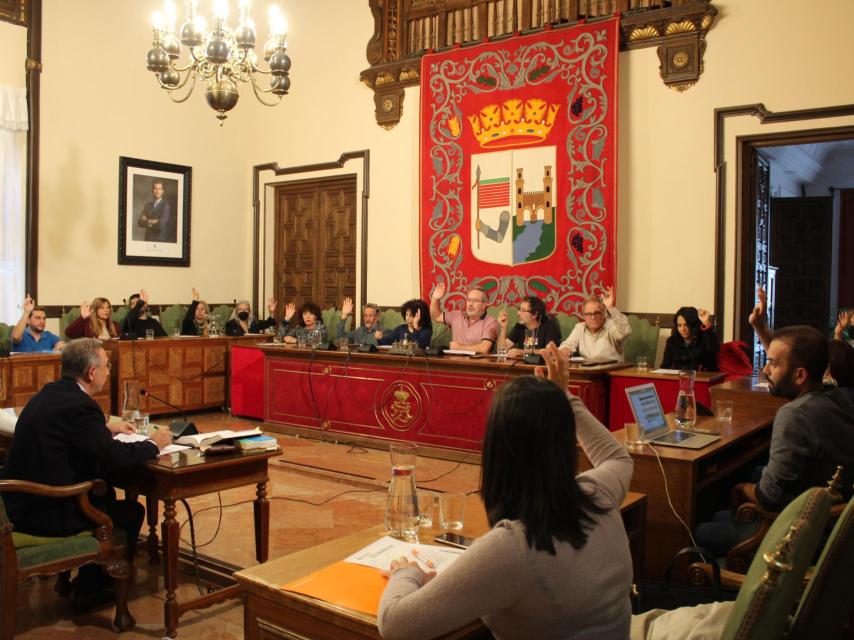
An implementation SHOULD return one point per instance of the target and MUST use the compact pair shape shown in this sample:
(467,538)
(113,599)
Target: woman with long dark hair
(693,343)
(556,563)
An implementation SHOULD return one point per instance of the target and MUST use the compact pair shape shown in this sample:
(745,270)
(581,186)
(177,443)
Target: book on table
(203,441)
(256,443)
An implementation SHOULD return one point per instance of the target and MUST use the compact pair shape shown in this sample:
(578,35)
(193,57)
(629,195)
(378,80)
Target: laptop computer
(649,415)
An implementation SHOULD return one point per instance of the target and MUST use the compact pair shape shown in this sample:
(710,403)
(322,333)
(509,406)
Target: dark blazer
(62,438)
(701,354)
(233,328)
(137,326)
(188,324)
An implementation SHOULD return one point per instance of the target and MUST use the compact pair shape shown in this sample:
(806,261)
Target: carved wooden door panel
(316,241)
(801,235)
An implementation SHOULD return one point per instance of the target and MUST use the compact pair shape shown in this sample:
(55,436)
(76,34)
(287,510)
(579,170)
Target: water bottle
(686,403)
(401,509)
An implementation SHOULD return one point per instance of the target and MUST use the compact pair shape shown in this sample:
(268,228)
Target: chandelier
(220,57)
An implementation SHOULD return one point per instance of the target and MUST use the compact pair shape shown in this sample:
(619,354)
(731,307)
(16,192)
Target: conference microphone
(178,428)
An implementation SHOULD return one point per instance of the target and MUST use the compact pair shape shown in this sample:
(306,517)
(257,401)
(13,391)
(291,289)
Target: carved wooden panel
(14,11)
(316,241)
(406,29)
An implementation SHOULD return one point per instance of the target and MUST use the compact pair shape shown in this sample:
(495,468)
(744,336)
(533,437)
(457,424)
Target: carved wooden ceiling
(406,29)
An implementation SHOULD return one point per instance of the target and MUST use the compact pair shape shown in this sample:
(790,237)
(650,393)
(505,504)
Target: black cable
(193,542)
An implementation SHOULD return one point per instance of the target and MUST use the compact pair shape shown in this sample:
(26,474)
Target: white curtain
(13,127)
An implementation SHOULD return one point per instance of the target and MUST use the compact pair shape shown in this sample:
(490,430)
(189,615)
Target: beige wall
(13,52)
(666,184)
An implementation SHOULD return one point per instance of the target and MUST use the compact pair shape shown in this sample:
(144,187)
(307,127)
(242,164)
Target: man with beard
(811,434)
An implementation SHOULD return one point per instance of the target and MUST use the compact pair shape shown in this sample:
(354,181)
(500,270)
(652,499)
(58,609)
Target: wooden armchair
(24,555)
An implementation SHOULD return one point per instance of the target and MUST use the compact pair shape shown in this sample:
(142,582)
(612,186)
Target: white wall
(759,51)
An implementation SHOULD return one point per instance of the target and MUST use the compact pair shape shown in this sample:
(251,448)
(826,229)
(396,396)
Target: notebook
(646,407)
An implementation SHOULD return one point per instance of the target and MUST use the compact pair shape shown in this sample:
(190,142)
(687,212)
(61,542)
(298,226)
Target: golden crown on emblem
(514,123)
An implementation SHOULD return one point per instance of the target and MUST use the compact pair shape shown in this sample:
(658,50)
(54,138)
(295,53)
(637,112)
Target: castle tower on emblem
(531,201)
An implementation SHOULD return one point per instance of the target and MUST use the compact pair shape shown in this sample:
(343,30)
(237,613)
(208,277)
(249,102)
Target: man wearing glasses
(471,330)
(600,337)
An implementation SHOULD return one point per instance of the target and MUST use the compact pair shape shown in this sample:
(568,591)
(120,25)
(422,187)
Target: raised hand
(608,299)
(196,295)
(143,295)
(705,318)
(502,318)
(290,310)
(439,291)
(842,322)
(85,310)
(346,308)
(556,368)
(416,319)
(29,304)
(757,316)
(378,334)
(271,305)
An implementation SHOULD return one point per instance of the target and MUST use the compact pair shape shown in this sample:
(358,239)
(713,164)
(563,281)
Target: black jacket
(233,328)
(702,353)
(136,326)
(62,438)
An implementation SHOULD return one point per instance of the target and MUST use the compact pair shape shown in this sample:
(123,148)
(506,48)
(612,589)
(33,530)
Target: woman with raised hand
(693,343)
(195,322)
(417,326)
(308,326)
(95,321)
(242,321)
(556,563)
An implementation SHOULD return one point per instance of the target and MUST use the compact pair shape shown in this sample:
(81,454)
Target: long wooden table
(692,475)
(184,475)
(270,612)
(438,402)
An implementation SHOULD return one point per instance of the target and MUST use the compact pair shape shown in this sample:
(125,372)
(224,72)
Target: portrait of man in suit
(157,221)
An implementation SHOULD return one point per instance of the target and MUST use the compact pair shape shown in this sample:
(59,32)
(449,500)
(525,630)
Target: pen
(426,561)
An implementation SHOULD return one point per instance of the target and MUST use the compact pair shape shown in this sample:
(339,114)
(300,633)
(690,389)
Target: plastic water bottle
(401,510)
(686,403)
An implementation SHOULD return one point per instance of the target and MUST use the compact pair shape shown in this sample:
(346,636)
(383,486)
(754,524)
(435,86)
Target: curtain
(13,127)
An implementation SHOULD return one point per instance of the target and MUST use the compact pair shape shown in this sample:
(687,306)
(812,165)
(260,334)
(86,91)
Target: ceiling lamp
(220,57)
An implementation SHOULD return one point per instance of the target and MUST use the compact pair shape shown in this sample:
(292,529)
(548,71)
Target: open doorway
(797,228)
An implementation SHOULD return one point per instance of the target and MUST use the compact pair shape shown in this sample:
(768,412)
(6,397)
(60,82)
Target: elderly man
(369,331)
(811,435)
(30,335)
(600,337)
(472,330)
(62,438)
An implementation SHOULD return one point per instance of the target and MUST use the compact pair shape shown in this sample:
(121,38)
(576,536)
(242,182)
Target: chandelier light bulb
(158,20)
(278,24)
(170,14)
(221,9)
(200,23)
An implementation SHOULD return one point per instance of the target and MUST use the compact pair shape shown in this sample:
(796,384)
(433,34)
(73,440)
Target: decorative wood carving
(14,11)
(406,29)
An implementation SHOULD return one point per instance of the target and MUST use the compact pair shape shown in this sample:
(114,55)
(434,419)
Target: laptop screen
(647,408)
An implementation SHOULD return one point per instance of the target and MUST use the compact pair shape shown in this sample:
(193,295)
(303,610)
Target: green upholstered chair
(25,556)
(567,323)
(119,315)
(172,317)
(5,336)
(222,313)
(642,342)
(826,604)
(774,580)
(330,318)
(391,318)
(66,319)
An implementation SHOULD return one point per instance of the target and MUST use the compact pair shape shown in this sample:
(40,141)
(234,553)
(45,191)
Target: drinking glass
(634,436)
(642,363)
(301,341)
(723,411)
(452,510)
(426,504)
(501,352)
(149,334)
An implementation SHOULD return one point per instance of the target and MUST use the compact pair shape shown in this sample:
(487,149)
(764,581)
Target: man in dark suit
(157,217)
(62,438)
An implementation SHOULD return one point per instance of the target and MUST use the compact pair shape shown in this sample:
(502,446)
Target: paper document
(138,437)
(204,440)
(674,372)
(459,352)
(379,554)
(578,359)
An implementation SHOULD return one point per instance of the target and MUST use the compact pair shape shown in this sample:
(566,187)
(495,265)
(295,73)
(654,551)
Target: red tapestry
(518,167)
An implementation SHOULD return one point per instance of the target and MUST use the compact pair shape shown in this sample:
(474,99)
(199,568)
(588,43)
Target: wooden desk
(270,612)
(184,475)
(22,375)
(667,385)
(689,473)
(745,390)
(438,402)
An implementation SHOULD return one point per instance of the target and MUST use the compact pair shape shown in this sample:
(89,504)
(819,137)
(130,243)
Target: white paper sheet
(674,372)
(459,352)
(138,437)
(379,554)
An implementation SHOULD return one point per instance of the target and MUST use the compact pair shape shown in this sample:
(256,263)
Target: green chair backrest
(642,342)
(330,318)
(391,318)
(763,605)
(567,324)
(171,318)
(66,319)
(827,600)
(222,313)
(5,336)
(119,315)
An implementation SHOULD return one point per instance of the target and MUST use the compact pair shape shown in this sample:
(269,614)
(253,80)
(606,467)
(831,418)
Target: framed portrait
(154,212)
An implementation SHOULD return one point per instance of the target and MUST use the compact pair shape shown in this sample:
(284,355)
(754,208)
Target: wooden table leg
(170,533)
(261,511)
(151,512)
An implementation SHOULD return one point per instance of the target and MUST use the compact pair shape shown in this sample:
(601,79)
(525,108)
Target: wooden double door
(315,244)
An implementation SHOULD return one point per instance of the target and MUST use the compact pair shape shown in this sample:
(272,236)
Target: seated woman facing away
(556,563)
(692,344)
(242,321)
(195,323)
(95,321)
(417,327)
(309,325)
(535,327)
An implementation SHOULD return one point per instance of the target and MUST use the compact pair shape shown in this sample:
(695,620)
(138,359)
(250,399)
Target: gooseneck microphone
(178,428)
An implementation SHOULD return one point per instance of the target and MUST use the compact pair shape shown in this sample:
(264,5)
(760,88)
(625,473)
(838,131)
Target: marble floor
(320,491)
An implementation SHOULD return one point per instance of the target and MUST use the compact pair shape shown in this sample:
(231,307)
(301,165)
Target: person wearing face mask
(242,321)
(417,326)
(692,344)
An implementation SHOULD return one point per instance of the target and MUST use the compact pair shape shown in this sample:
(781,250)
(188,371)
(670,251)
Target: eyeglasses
(476,300)
(592,314)
(524,310)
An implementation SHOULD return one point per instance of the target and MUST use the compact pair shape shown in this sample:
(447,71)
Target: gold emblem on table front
(401,406)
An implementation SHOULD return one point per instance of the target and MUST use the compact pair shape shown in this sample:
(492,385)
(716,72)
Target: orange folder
(344,584)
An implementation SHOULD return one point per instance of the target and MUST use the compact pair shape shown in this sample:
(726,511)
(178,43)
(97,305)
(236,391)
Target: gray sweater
(519,592)
(811,435)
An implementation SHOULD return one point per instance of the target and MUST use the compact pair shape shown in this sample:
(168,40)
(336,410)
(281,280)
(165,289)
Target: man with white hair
(601,334)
